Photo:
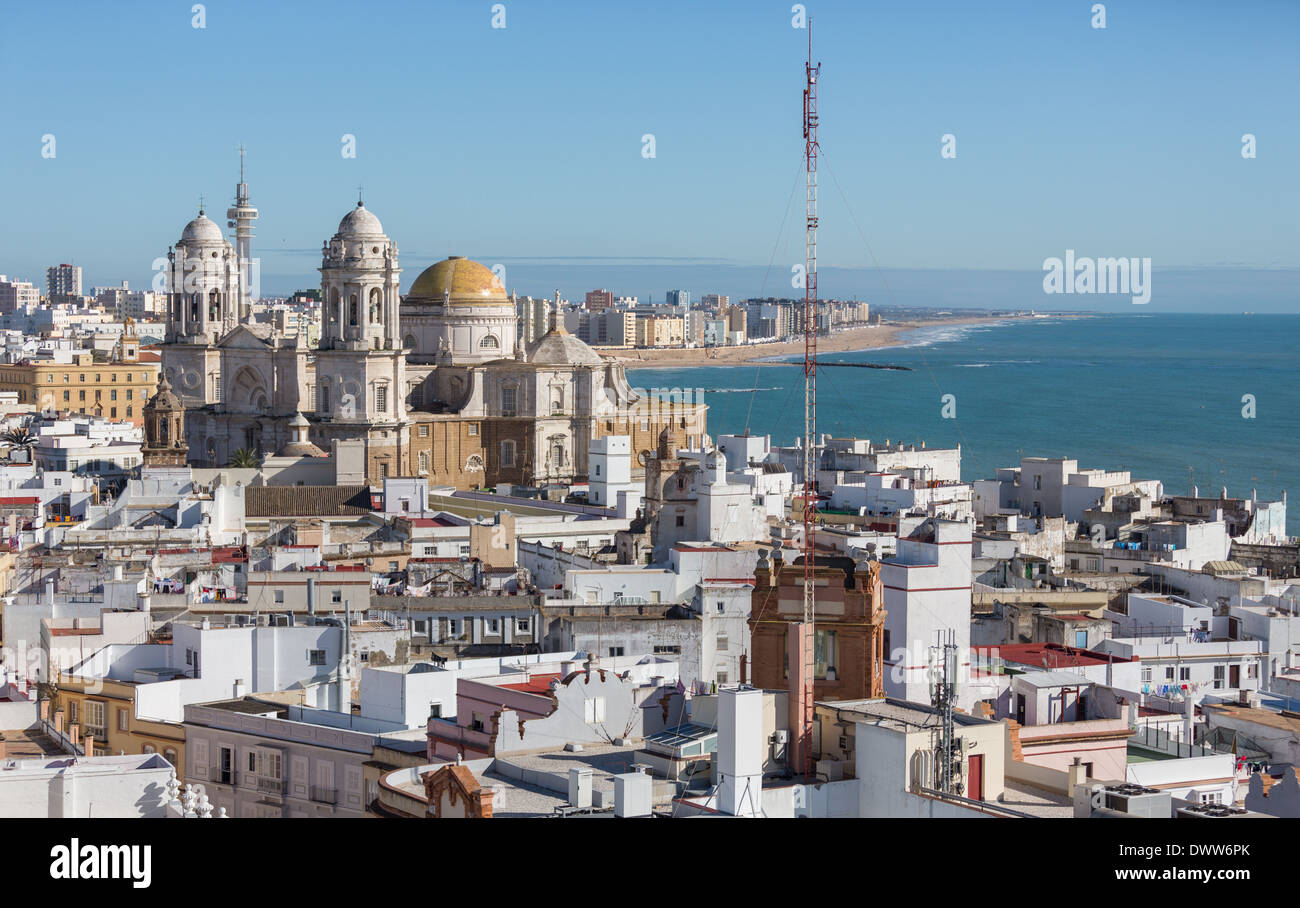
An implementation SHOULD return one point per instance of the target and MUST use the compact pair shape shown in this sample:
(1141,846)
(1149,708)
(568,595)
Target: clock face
(191,380)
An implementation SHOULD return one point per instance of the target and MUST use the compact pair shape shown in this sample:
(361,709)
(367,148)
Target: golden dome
(459,281)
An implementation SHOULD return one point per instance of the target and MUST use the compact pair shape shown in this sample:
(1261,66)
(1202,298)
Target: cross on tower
(359,198)
(201,205)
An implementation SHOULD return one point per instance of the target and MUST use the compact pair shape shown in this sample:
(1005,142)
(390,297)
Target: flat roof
(899,712)
(1051,655)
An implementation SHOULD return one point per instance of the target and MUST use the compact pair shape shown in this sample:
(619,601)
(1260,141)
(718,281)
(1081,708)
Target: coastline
(873,337)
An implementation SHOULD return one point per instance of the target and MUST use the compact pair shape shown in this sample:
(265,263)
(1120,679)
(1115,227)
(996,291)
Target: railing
(1159,739)
(273,785)
(222,776)
(324,795)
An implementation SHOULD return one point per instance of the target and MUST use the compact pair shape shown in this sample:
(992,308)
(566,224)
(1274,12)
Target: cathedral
(433,384)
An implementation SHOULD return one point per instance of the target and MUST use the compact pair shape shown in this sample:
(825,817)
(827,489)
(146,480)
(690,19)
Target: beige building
(660,331)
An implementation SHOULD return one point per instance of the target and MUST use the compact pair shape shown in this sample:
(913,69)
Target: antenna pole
(810,459)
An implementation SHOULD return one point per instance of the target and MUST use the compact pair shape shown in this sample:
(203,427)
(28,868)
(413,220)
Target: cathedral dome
(360,222)
(558,347)
(460,282)
(202,230)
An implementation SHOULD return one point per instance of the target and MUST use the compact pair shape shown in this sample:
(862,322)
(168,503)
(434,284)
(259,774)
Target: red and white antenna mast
(810,458)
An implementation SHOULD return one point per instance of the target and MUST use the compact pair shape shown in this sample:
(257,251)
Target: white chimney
(740,751)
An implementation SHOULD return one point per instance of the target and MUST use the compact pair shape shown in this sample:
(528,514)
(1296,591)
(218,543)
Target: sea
(1211,401)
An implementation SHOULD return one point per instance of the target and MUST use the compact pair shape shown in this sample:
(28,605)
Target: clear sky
(523,145)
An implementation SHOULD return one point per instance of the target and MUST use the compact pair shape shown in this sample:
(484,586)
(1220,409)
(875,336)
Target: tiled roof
(306,501)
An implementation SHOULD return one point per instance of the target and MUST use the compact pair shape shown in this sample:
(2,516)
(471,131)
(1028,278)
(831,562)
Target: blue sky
(522,145)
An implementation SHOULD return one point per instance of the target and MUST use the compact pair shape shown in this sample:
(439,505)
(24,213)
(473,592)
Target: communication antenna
(943,697)
(811,74)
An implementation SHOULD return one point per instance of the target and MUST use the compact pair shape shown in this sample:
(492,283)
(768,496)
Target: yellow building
(105,709)
(660,331)
(114,389)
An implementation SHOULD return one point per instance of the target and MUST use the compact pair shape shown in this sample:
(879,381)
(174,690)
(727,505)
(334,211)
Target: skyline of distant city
(1013,136)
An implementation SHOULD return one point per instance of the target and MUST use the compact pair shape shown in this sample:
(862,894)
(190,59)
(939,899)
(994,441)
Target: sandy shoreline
(860,338)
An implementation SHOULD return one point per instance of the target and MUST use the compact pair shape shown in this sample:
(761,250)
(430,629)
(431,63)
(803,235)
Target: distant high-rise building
(715,301)
(599,300)
(17,295)
(63,280)
(680,298)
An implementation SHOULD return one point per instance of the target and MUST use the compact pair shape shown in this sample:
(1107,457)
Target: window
(95,724)
(279,597)
(473,428)
(507,453)
(1210,797)
(722,643)
(681,520)
(507,401)
(490,343)
(74,711)
(494,625)
(381,398)
(1185,674)
(521,625)
(1169,673)
(667,650)
(365,655)
(1146,673)
(1220,676)
(130,394)
(336,596)
(722,606)
(315,657)
(170,756)
(423,431)
(121,720)
(67,395)
(264,764)
(594,709)
(615,651)
(424,461)
(1252,670)
(825,654)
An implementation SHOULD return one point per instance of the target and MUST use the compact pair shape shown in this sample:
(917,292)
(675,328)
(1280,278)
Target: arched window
(376,306)
(354,311)
(148,749)
(324,398)
(490,343)
(557,454)
(334,304)
(170,756)
(214,305)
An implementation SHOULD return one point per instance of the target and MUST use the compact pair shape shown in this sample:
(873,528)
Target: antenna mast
(809,401)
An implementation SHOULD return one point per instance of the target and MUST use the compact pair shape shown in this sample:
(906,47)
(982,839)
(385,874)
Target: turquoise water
(1159,395)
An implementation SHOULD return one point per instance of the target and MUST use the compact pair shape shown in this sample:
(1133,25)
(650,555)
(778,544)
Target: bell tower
(164,429)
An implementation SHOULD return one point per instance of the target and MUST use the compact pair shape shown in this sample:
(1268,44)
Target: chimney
(740,751)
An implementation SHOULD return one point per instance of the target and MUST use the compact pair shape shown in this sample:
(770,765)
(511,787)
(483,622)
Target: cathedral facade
(434,384)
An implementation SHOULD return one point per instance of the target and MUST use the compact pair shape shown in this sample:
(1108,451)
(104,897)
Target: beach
(859,338)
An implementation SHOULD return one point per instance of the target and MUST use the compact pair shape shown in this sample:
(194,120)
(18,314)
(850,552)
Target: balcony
(275,786)
(324,795)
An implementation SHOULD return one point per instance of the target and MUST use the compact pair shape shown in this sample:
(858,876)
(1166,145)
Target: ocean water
(1160,395)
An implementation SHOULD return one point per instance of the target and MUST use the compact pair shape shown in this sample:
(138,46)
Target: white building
(116,787)
(927,590)
(610,465)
